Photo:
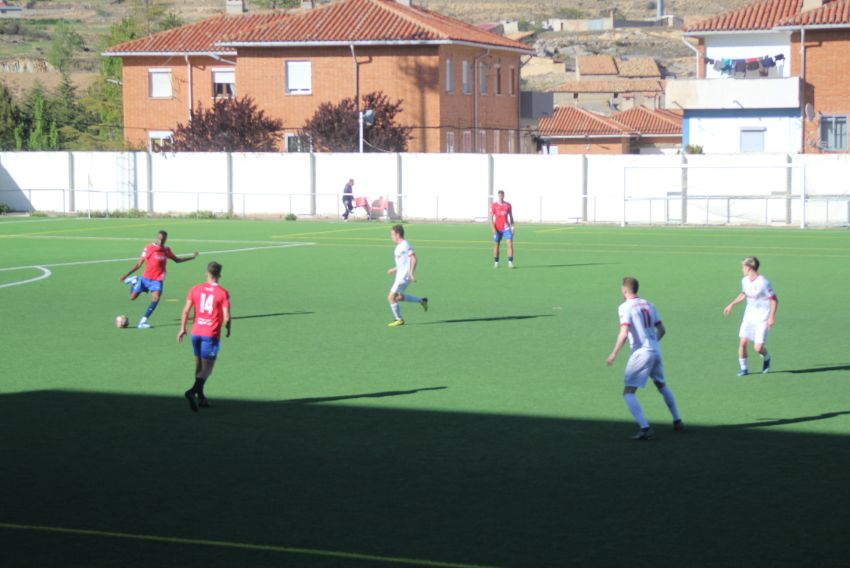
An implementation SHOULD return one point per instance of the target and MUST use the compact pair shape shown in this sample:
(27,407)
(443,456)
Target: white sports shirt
(641,318)
(759,293)
(403,252)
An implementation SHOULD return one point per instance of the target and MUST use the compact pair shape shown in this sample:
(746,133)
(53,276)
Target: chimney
(659,9)
(233,7)
(812,5)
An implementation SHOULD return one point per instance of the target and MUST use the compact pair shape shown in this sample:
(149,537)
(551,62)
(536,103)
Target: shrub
(204,215)
(693,149)
(291,217)
(5,208)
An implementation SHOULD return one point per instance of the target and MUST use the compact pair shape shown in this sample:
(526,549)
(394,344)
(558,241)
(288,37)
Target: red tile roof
(762,15)
(638,67)
(648,122)
(368,21)
(200,37)
(574,121)
(611,86)
(836,12)
(596,65)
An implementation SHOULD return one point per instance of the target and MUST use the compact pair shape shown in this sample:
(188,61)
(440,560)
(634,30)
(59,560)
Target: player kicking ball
(211,304)
(154,257)
(639,323)
(759,315)
(405,266)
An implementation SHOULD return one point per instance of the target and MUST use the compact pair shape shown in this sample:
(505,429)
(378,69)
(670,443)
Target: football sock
(765,356)
(635,409)
(742,361)
(409,298)
(670,400)
(510,258)
(396,311)
(198,387)
(151,308)
(496,258)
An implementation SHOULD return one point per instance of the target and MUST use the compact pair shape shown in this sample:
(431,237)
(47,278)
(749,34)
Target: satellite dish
(810,112)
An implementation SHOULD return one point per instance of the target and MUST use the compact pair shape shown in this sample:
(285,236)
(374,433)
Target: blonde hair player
(639,323)
(759,316)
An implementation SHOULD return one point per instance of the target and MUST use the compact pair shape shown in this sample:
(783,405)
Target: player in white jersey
(405,266)
(759,316)
(639,323)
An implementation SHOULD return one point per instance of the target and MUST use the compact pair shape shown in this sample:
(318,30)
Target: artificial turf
(487,431)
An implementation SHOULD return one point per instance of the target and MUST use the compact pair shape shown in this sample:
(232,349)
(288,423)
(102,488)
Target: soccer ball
(121,321)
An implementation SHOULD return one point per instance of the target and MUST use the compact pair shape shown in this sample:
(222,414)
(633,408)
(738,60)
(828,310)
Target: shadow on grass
(823,369)
(488,319)
(485,489)
(176,322)
(574,265)
(766,422)
(355,396)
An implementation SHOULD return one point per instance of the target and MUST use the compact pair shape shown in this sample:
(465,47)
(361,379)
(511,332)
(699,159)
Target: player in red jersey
(502,220)
(211,303)
(154,256)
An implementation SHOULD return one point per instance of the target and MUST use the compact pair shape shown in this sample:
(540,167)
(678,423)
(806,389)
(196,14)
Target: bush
(136,214)
(5,208)
(291,217)
(38,214)
(693,149)
(204,215)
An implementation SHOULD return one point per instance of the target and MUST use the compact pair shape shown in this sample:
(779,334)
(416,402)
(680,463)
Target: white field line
(47,273)
(146,239)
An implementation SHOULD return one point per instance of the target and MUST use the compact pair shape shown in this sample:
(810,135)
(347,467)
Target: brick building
(771,78)
(459,84)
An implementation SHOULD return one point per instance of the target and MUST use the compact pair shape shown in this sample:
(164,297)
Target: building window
(482,141)
(224,83)
(513,81)
(159,81)
(450,76)
(450,142)
(467,141)
(466,79)
(498,79)
(752,140)
(833,133)
(482,79)
(511,142)
(497,139)
(159,139)
(298,78)
(297,143)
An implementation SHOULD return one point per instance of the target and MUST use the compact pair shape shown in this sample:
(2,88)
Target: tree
(230,125)
(334,127)
(64,45)
(8,119)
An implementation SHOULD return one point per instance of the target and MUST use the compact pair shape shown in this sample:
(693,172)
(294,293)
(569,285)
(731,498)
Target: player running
(211,304)
(759,316)
(639,322)
(405,265)
(502,221)
(154,256)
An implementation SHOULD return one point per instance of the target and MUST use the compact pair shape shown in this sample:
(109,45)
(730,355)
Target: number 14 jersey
(209,301)
(641,318)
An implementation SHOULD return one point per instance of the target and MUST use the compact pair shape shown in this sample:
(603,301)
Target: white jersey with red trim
(403,252)
(641,318)
(759,293)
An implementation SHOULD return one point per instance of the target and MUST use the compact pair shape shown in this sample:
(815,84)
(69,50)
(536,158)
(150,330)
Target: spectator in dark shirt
(348,199)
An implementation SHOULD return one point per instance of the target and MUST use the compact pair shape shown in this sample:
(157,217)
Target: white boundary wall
(709,189)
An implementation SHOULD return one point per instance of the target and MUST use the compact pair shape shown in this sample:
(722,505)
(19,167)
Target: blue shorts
(205,347)
(506,234)
(144,285)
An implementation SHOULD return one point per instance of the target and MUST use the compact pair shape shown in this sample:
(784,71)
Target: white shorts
(755,331)
(643,364)
(399,286)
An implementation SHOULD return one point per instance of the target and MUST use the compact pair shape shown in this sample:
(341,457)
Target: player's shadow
(574,265)
(383,394)
(822,369)
(489,319)
(768,422)
(252,316)
(258,483)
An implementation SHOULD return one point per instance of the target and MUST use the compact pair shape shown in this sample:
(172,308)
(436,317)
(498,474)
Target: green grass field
(486,432)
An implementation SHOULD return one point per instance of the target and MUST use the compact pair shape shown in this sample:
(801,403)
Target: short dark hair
(214,269)
(631,284)
(500,192)
(163,233)
(399,230)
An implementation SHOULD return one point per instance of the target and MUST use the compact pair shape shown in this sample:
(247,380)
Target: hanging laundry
(752,64)
(740,66)
(709,60)
(768,62)
(718,65)
(780,57)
